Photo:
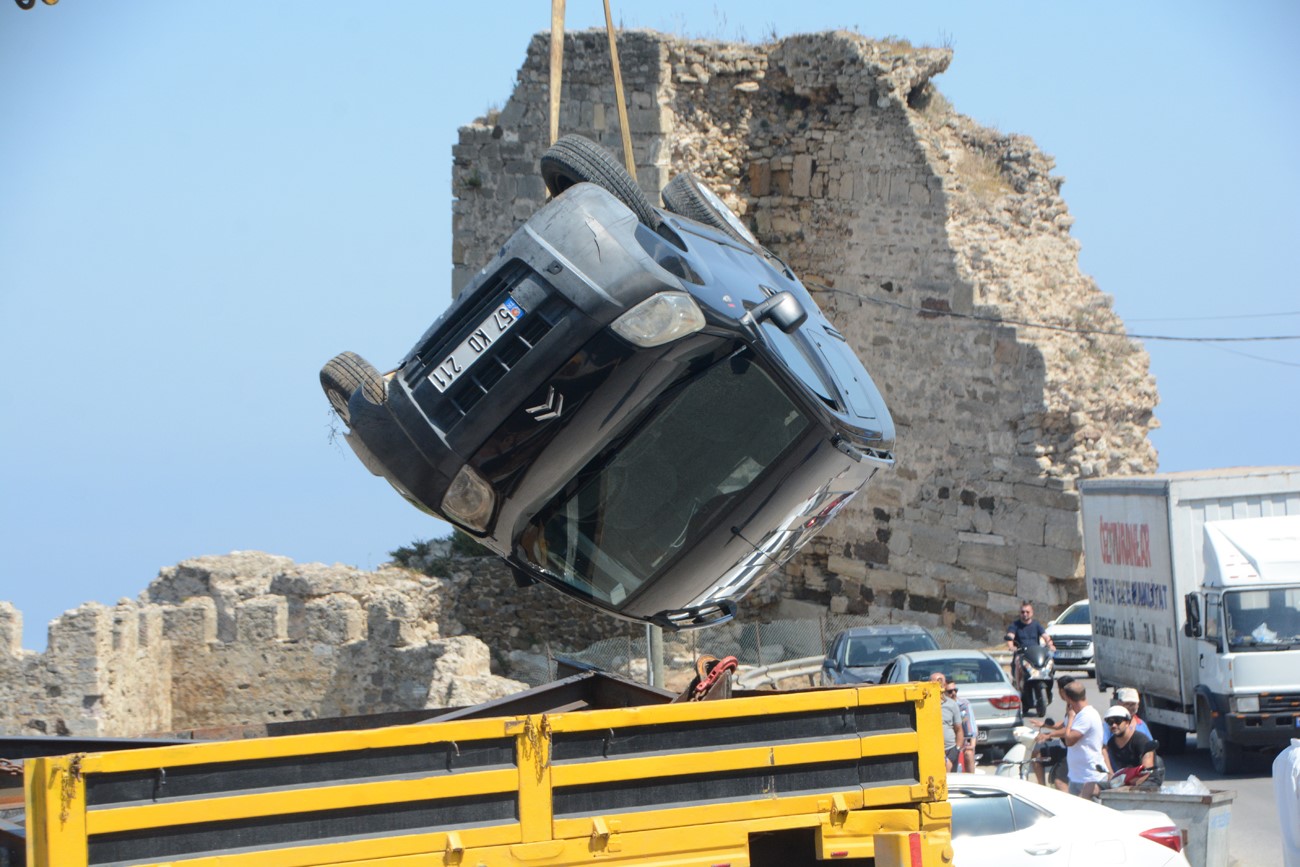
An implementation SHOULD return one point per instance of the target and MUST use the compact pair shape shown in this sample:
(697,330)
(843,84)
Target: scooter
(1037,676)
(1018,762)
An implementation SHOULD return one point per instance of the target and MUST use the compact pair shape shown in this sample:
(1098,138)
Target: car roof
(953,653)
(889,629)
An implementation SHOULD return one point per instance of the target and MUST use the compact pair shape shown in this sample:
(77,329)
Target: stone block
(846,566)
(1056,562)
(11,630)
(193,624)
(335,619)
(262,619)
(987,558)
(1063,530)
(937,544)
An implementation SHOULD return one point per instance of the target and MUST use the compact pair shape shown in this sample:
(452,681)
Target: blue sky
(202,203)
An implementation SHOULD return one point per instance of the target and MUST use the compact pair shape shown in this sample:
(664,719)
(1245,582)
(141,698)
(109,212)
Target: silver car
(980,680)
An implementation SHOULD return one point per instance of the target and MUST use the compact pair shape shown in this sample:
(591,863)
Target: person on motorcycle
(1131,751)
(1025,632)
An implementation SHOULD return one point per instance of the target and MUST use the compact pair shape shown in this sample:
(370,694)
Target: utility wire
(1064,328)
(1215,318)
(1256,357)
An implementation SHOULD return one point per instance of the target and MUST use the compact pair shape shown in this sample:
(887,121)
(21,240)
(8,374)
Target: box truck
(1194,584)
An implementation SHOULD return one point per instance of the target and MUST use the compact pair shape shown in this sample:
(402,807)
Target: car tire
(576,160)
(686,196)
(344,374)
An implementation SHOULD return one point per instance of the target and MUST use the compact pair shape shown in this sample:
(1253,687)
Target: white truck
(1194,585)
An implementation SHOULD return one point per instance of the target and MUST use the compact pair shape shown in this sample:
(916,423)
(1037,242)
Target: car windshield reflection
(632,509)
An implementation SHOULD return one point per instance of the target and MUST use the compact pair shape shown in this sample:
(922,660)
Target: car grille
(1072,643)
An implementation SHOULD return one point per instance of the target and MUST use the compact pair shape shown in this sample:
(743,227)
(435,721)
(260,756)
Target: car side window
(981,816)
(1026,814)
(886,676)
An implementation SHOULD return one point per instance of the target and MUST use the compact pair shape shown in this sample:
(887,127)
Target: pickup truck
(754,779)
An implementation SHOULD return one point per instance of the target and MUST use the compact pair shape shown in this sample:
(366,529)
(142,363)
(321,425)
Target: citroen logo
(550,409)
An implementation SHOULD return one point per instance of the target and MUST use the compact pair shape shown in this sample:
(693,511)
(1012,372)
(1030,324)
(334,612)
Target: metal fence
(786,647)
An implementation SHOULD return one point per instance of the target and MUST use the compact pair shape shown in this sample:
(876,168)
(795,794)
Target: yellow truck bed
(780,778)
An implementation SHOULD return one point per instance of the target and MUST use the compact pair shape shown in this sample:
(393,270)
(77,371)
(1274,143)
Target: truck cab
(1245,620)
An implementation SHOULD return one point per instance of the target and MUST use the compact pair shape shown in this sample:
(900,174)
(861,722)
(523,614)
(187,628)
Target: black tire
(344,374)
(1227,757)
(575,160)
(687,196)
(1040,690)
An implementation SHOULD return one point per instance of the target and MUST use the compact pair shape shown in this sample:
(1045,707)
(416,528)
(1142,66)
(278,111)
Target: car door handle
(1042,848)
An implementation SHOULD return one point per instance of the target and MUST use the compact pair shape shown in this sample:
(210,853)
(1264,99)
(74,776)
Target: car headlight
(469,499)
(1245,704)
(660,319)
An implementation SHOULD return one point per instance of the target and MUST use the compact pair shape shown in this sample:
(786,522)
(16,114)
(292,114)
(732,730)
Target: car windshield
(1264,619)
(879,649)
(636,506)
(1075,615)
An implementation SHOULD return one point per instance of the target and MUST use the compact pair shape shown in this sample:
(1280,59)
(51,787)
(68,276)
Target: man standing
(969,725)
(1081,733)
(1024,632)
(954,739)
(1129,748)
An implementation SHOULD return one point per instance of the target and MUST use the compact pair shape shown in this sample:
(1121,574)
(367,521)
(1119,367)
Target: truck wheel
(575,160)
(687,196)
(345,373)
(1172,740)
(1226,756)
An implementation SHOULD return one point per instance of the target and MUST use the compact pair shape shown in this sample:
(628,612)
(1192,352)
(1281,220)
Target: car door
(993,827)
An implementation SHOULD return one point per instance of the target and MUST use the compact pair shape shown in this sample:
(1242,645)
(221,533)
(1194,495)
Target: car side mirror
(783,309)
(1192,608)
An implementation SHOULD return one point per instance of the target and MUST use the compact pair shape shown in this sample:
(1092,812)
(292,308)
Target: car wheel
(687,196)
(344,374)
(575,160)
(1224,754)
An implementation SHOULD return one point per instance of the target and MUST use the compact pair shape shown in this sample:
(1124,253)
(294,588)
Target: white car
(1072,635)
(1004,822)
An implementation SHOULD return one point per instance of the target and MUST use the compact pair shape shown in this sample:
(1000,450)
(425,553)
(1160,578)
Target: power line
(1050,327)
(1209,318)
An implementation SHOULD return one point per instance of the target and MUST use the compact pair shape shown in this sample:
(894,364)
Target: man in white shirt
(1082,734)
(1286,785)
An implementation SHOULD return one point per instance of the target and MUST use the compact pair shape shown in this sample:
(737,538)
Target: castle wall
(897,213)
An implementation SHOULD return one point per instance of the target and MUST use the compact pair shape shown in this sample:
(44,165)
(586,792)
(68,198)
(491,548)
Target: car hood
(862,674)
(1070,631)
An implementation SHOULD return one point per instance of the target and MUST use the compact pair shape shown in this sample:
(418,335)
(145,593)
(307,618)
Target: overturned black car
(641,407)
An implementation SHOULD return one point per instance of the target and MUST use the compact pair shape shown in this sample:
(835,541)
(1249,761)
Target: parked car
(1006,822)
(980,680)
(1072,635)
(859,655)
(640,407)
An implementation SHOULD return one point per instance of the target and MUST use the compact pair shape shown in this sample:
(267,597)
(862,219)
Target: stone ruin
(940,248)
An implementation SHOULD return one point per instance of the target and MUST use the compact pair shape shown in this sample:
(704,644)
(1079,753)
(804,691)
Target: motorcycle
(1018,761)
(1037,671)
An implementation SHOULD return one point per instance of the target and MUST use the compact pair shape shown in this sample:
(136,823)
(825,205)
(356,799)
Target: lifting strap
(557,71)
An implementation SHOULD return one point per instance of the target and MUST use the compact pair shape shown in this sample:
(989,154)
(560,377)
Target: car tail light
(1005,702)
(1168,836)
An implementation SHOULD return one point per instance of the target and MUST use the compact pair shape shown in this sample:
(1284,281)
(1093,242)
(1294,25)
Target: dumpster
(1202,818)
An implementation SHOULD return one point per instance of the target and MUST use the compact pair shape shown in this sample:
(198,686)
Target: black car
(860,654)
(641,407)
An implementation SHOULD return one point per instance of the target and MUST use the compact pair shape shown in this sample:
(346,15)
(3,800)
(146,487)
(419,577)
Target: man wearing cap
(1129,748)
(1128,697)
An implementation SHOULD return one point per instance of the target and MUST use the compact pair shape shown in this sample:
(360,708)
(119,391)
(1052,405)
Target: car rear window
(961,670)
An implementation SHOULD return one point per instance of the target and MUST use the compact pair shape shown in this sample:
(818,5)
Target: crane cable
(557,67)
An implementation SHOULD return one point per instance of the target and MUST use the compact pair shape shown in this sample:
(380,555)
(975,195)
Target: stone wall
(251,638)
(929,241)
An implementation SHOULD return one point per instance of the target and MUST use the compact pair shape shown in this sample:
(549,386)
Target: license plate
(498,322)
(1069,654)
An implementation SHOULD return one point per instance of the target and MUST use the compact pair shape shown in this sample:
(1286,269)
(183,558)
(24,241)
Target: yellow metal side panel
(56,812)
(593,720)
(219,809)
(293,745)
